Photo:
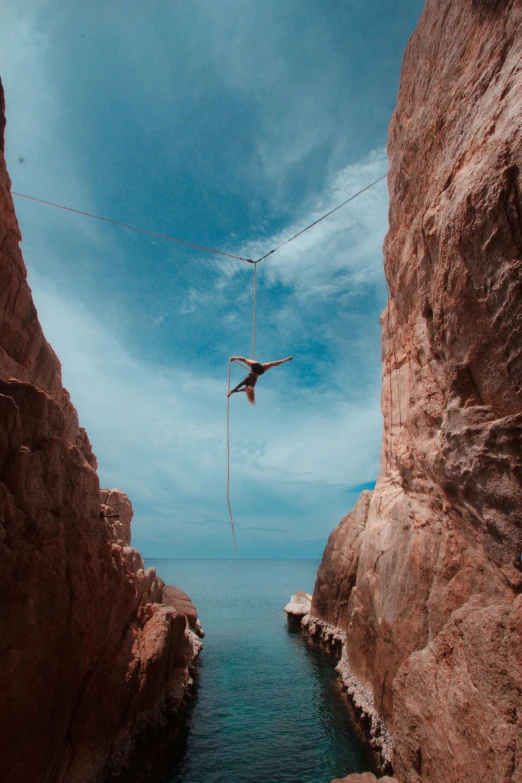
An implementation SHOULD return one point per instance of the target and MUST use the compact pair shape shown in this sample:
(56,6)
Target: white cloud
(158,428)
(347,242)
(339,259)
(194,300)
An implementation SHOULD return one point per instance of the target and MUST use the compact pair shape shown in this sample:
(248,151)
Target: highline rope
(193,244)
(134,228)
(228,255)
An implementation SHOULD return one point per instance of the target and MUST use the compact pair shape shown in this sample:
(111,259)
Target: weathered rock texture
(173,596)
(365,777)
(117,510)
(90,654)
(423,576)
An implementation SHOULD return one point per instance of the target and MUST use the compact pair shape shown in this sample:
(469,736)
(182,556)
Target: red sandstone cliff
(422,580)
(90,654)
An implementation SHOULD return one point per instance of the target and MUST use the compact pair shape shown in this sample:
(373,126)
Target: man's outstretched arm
(250,362)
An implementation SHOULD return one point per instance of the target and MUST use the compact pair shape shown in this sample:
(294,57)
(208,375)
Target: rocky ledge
(365,777)
(359,696)
(95,651)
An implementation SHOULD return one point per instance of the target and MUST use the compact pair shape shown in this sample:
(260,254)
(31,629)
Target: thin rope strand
(322,218)
(254,314)
(192,244)
(134,228)
(228,461)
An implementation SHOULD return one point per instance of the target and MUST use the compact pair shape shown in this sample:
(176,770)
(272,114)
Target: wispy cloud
(144,330)
(195,299)
(346,245)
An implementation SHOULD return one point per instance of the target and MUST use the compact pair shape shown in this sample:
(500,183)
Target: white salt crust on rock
(360,695)
(299,604)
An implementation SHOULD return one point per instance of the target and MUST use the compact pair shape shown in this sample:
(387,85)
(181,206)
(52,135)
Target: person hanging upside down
(256,369)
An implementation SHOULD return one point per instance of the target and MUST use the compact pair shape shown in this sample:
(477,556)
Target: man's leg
(268,365)
(238,388)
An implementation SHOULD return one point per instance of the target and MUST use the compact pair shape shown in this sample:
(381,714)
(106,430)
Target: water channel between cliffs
(267,706)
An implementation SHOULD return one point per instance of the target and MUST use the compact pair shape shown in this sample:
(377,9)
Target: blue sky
(231,123)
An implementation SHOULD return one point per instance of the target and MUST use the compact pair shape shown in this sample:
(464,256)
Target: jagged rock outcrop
(423,577)
(117,510)
(90,654)
(173,596)
(299,605)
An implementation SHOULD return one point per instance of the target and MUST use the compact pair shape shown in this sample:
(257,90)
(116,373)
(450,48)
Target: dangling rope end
(232,526)
(234,537)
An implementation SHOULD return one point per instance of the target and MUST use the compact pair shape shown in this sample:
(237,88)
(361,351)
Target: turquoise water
(267,708)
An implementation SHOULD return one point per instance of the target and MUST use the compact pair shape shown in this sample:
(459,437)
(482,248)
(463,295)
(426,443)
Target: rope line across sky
(193,244)
(221,253)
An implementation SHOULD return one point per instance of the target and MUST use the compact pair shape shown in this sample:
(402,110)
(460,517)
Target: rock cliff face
(423,578)
(90,652)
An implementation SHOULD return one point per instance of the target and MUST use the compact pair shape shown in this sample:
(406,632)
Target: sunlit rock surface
(423,576)
(90,654)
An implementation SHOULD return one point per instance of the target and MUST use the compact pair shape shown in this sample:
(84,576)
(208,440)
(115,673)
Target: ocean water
(267,707)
